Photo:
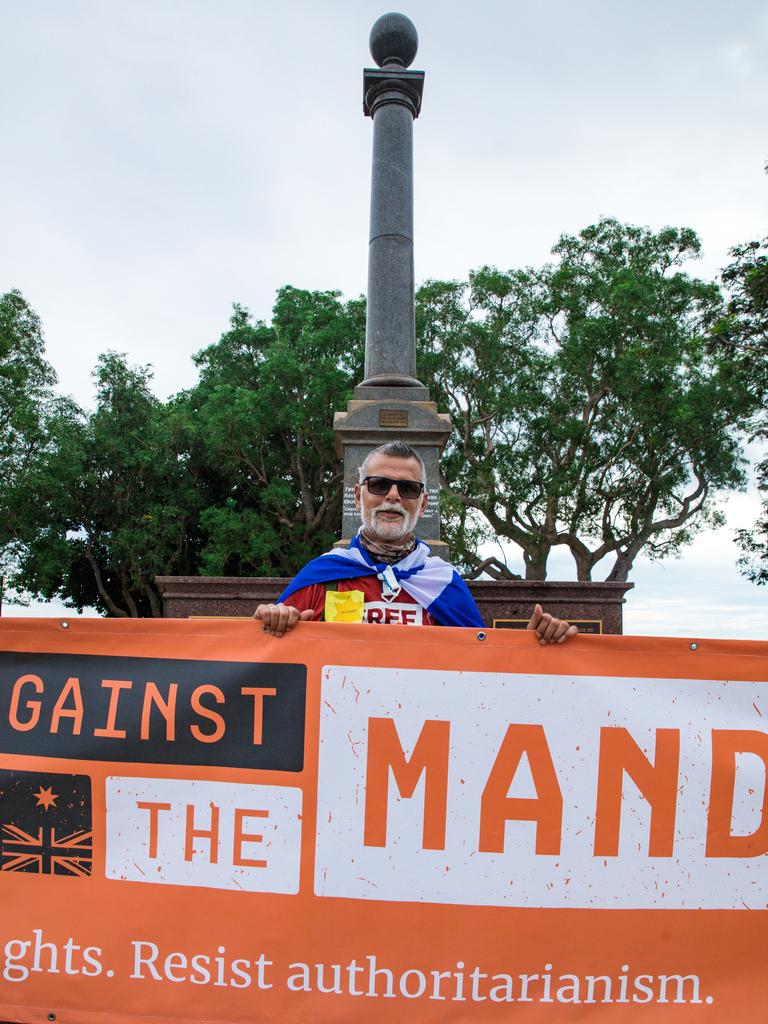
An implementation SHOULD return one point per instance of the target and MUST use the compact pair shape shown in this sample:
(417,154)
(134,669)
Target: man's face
(390,517)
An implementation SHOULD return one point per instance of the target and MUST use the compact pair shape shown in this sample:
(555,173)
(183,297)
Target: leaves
(117,506)
(743,334)
(28,408)
(598,403)
(589,410)
(262,423)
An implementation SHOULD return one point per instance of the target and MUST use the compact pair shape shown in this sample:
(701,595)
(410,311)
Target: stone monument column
(391,403)
(392,98)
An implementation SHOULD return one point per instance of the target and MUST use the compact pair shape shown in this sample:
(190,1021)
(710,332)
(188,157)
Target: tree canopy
(589,409)
(28,408)
(261,429)
(598,402)
(743,333)
(237,476)
(121,504)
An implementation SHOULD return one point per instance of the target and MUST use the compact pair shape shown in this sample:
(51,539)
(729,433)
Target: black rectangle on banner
(45,823)
(161,710)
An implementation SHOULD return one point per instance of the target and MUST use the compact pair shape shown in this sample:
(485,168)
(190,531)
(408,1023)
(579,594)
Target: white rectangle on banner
(212,834)
(569,712)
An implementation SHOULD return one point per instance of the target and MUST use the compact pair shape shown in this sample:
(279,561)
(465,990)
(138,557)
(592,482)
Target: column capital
(392,84)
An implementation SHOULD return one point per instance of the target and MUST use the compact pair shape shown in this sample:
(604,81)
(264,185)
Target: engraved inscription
(349,502)
(393,417)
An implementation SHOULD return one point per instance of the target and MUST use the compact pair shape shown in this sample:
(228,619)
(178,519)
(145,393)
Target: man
(387,575)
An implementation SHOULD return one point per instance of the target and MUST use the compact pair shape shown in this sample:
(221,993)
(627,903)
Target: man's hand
(278,618)
(549,629)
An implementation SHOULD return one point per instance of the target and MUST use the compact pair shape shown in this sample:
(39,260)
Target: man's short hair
(396,450)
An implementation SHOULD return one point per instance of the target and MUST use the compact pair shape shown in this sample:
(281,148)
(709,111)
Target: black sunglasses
(381,485)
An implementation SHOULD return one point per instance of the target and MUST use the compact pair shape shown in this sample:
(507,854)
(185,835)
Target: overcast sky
(162,159)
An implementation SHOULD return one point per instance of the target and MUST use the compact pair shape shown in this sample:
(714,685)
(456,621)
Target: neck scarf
(382,551)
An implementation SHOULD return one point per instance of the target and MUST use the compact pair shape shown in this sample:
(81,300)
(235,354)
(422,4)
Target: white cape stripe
(426,585)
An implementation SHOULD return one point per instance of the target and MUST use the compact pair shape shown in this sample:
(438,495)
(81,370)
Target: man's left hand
(550,630)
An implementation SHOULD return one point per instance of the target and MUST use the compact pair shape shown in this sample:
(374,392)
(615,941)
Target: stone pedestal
(377,415)
(506,604)
(593,607)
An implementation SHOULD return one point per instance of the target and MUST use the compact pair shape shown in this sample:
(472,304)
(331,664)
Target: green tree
(120,505)
(743,333)
(262,421)
(28,407)
(589,409)
(598,403)
(237,476)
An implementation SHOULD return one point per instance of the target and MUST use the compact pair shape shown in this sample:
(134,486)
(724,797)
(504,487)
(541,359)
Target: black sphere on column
(394,40)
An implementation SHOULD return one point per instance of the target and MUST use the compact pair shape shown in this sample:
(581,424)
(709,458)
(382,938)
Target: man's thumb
(306,615)
(535,619)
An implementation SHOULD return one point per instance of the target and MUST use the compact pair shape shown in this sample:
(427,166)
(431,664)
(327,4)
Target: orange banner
(204,823)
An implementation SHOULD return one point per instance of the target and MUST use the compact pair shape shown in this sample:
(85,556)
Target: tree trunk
(495,569)
(621,569)
(154,602)
(113,608)
(125,588)
(583,566)
(536,562)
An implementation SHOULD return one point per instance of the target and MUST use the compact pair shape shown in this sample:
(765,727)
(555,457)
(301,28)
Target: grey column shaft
(390,344)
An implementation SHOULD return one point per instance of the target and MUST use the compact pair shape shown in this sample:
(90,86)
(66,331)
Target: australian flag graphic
(45,823)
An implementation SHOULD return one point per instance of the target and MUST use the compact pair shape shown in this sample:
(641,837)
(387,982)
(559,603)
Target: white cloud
(738,58)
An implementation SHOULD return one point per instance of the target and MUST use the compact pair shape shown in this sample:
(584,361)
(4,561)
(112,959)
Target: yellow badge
(344,607)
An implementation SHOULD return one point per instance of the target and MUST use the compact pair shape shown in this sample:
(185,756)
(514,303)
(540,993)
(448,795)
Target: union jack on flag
(45,823)
(45,853)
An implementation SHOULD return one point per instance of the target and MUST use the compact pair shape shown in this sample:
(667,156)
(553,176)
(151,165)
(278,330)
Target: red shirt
(404,610)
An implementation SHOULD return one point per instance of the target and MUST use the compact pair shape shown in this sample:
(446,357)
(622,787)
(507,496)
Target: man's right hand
(278,618)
